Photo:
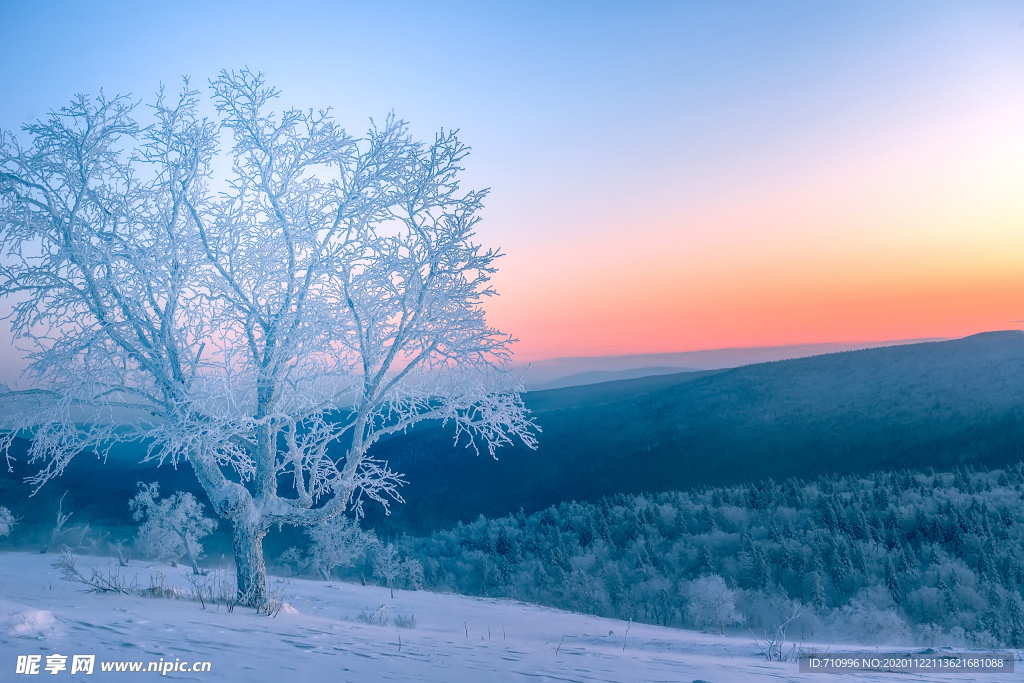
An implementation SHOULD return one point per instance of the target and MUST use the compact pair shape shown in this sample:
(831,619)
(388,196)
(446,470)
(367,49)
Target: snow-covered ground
(318,636)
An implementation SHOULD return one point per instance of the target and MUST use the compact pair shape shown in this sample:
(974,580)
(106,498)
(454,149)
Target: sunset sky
(676,177)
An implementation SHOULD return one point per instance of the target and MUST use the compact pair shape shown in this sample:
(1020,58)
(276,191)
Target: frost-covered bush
(867,623)
(172,527)
(377,617)
(711,603)
(404,620)
(113,580)
(7,521)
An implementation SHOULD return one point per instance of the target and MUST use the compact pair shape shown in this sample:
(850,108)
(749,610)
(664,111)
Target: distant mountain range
(934,404)
(556,373)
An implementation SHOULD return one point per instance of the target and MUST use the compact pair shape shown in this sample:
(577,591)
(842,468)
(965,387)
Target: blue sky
(621,141)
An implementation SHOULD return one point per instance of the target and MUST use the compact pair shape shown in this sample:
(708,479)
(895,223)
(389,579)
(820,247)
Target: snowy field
(318,635)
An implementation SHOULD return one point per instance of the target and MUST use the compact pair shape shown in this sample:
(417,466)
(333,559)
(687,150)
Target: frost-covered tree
(172,527)
(412,570)
(388,565)
(711,602)
(267,326)
(7,521)
(338,542)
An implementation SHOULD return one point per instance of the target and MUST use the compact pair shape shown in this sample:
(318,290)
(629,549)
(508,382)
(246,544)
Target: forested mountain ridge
(936,404)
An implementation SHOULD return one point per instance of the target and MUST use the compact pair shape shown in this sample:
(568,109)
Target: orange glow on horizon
(922,240)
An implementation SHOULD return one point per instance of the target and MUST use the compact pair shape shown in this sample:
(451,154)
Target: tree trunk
(249,565)
(189,554)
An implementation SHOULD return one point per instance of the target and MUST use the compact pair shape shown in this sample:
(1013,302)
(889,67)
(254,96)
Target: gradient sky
(672,177)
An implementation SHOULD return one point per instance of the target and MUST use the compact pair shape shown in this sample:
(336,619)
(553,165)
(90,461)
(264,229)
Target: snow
(317,635)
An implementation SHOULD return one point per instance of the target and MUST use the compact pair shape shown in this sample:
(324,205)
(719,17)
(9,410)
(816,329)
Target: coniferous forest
(923,557)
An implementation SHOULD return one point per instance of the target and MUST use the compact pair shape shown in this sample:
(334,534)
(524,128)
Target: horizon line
(882,342)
